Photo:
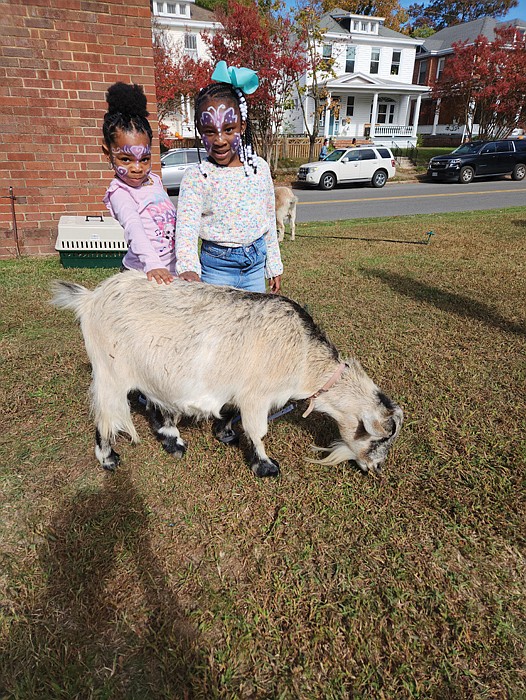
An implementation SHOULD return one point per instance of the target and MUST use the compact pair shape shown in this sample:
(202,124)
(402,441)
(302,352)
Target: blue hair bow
(243,78)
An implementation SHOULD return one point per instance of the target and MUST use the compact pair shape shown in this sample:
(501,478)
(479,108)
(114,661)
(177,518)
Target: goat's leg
(255,425)
(280,225)
(164,424)
(112,415)
(292,219)
(223,427)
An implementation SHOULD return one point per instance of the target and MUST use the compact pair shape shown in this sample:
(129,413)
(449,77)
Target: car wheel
(328,181)
(519,172)
(379,178)
(466,175)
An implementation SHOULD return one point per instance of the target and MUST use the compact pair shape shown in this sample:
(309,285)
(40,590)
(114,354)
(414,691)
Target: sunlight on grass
(192,578)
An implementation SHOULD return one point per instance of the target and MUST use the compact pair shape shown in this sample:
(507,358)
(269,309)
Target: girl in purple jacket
(136,197)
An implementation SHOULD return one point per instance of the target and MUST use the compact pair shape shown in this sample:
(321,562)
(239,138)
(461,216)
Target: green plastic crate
(90,241)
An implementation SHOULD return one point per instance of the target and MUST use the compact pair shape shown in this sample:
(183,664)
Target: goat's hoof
(111,462)
(174,446)
(264,468)
(227,436)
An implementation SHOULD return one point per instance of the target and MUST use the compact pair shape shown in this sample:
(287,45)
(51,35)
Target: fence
(295,148)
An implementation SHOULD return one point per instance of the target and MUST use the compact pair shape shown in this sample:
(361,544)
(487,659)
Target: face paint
(218,117)
(127,161)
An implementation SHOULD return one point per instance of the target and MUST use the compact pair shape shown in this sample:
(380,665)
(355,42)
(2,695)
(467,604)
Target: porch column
(374,114)
(436,118)
(404,110)
(416,115)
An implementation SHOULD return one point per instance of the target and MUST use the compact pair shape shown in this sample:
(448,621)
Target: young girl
(228,199)
(136,197)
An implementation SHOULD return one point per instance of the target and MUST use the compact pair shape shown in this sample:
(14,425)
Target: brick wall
(57,58)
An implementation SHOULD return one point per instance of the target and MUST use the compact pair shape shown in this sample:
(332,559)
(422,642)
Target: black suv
(481,158)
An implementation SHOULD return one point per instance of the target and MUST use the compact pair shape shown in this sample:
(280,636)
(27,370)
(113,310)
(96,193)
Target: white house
(372,88)
(183,23)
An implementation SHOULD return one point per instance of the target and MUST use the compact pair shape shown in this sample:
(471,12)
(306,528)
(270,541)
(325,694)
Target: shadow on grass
(446,301)
(108,624)
(369,240)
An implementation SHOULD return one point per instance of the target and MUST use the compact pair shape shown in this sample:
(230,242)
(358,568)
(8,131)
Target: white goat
(285,209)
(195,349)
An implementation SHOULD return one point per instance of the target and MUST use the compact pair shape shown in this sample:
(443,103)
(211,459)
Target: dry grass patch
(193,579)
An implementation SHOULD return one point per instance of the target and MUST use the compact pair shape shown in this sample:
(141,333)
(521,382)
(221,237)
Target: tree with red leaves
(264,41)
(178,79)
(485,83)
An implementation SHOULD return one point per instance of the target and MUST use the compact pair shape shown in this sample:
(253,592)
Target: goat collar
(332,381)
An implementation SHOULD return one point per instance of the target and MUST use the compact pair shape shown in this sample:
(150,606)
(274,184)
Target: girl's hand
(275,284)
(160,275)
(190,276)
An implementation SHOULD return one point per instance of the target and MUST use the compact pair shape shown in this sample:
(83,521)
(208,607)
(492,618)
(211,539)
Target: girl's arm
(125,211)
(189,212)
(273,266)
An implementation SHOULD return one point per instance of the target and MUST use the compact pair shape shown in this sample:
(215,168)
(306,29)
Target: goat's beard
(337,452)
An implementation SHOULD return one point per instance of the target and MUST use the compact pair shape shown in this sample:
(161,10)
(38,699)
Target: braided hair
(126,111)
(247,152)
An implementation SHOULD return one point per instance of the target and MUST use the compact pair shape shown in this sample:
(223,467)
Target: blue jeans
(242,267)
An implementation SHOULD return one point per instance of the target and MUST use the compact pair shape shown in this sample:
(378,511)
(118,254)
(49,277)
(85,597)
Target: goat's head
(369,422)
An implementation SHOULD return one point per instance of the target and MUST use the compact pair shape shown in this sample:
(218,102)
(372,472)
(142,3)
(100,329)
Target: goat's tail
(68,295)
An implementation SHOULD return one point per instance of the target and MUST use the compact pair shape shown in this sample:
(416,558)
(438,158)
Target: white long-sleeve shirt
(229,208)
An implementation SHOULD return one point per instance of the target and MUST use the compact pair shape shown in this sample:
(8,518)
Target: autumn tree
(262,40)
(438,14)
(485,82)
(311,85)
(178,78)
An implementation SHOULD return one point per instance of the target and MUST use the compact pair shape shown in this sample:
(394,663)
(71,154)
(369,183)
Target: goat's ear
(373,426)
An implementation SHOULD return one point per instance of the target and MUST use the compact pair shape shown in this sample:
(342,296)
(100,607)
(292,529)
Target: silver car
(174,163)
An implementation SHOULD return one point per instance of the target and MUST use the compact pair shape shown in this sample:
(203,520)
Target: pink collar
(332,381)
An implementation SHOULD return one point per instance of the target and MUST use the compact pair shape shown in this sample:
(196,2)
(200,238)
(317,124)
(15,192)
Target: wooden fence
(294,148)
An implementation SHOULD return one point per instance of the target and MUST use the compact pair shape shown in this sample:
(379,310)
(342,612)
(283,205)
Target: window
(174,159)
(440,67)
(504,146)
(367,154)
(385,113)
(489,148)
(183,9)
(192,157)
(171,9)
(395,63)
(350,57)
(327,50)
(422,72)
(352,155)
(384,153)
(349,106)
(375,60)
(190,43)
(160,7)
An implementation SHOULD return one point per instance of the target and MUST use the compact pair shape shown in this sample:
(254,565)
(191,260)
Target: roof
(337,21)
(444,39)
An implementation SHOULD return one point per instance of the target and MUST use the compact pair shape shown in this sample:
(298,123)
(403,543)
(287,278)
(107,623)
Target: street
(397,199)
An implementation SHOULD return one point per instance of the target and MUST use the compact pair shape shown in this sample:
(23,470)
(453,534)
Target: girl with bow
(227,200)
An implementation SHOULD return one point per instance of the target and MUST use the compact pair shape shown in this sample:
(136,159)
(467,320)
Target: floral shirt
(227,207)
(147,216)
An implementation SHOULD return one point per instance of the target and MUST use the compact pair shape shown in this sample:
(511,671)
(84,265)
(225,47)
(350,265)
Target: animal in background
(285,209)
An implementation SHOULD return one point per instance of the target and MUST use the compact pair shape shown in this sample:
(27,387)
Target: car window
(520,144)
(467,149)
(504,147)
(191,157)
(335,155)
(174,159)
(367,154)
(352,155)
(384,153)
(489,148)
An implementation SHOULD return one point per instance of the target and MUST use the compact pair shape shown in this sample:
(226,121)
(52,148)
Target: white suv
(374,164)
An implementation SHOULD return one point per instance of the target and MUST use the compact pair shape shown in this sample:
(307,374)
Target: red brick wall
(57,58)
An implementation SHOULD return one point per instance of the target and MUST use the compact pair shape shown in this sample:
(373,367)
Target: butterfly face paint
(220,129)
(131,157)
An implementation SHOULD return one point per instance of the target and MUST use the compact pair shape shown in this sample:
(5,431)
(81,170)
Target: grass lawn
(194,579)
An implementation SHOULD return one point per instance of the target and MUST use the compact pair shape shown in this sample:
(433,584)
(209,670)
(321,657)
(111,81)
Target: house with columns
(183,24)
(370,93)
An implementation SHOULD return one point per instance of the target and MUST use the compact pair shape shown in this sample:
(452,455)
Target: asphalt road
(396,199)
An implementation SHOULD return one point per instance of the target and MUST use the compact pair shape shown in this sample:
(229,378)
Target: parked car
(480,159)
(374,164)
(173,165)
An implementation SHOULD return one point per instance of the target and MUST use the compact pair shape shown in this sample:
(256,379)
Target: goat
(285,209)
(196,350)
